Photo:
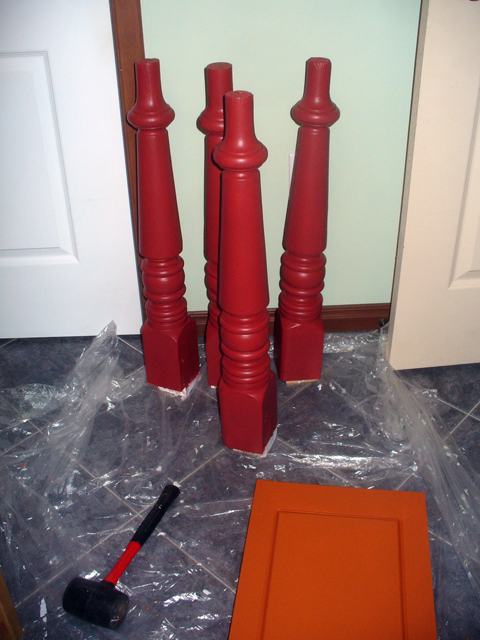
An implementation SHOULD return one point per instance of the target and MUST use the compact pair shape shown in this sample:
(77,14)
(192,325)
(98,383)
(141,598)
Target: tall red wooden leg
(169,336)
(298,323)
(247,391)
(218,78)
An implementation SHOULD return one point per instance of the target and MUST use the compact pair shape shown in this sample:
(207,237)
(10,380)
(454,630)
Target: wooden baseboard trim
(346,317)
(355,317)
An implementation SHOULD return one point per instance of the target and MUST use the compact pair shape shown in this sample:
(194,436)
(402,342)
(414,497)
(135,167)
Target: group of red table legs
(237,333)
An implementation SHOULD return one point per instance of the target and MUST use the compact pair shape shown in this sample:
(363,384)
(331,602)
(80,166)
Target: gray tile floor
(182,583)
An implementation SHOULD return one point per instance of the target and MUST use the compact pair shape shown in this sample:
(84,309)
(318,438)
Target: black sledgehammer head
(96,602)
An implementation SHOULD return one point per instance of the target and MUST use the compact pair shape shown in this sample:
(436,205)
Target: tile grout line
(9,450)
(336,475)
(47,582)
(450,404)
(141,512)
(293,448)
(436,535)
(413,387)
(114,493)
(302,386)
(9,404)
(197,562)
(453,406)
(466,416)
(470,413)
(9,341)
(189,475)
(129,345)
(399,487)
(287,444)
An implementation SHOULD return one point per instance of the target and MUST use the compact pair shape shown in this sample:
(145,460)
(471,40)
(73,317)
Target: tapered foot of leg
(298,349)
(171,358)
(248,417)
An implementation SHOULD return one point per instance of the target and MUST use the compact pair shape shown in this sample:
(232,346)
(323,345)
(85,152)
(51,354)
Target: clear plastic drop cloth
(103,443)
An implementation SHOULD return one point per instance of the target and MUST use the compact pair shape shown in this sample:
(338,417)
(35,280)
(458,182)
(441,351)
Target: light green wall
(372,48)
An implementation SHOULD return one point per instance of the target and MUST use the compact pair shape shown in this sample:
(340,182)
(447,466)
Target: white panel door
(435,316)
(67,262)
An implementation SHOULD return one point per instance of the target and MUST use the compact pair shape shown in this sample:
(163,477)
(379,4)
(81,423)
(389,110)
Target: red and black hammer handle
(141,535)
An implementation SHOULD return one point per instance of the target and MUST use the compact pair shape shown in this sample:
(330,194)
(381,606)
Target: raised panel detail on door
(67,256)
(36,225)
(335,562)
(466,268)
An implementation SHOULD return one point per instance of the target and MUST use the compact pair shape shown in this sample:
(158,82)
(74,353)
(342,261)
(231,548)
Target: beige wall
(372,48)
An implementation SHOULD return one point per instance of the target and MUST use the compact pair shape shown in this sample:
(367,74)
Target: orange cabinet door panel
(335,562)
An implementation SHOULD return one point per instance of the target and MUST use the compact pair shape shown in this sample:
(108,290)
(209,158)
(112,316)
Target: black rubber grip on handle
(156,513)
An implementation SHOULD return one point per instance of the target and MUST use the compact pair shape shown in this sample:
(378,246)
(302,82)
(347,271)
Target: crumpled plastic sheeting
(402,421)
(112,441)
(73,407)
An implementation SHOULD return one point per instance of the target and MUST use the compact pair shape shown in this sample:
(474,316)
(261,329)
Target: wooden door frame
(129,47)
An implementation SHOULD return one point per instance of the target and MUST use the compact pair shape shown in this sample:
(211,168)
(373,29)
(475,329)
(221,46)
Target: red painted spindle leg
(247,391)
(169,336)
(299,328)
(218,78)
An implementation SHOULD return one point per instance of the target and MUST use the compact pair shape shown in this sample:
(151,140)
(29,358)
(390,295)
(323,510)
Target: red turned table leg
(247,391)
(218,78)
(169,336)
(298,322)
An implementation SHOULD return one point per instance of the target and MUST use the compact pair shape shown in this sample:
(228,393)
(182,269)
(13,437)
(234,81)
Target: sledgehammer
(99,602)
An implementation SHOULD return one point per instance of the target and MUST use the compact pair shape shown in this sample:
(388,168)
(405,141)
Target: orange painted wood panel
(335,562)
